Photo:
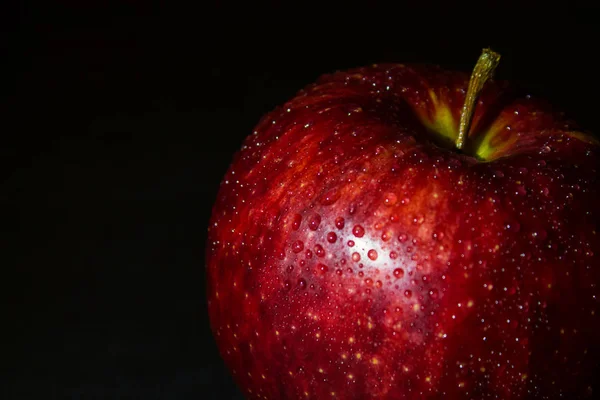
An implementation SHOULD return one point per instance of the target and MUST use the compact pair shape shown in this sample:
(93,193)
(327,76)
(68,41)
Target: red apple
(355,253)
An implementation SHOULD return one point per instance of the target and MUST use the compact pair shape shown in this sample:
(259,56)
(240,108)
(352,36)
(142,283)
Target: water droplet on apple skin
(372,254)
(297,246)
(302,283)
(398,273)
(330,197)
(352,209)
(331,237)
(297,220)
(322,268)
(358,231)
(355,257)
(418,219)
(390,199)
(339,222)
(319,250)
(314,222)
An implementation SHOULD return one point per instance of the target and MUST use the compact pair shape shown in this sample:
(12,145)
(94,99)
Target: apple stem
(483,71)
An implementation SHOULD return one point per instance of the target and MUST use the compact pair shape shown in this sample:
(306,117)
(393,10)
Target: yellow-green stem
(483,71)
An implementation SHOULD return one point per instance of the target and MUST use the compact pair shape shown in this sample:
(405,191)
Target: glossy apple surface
(354,254)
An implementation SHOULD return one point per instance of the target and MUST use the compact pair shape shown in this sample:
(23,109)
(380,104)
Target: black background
(118,120)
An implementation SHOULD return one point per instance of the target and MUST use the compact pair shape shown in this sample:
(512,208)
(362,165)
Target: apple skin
(352,254)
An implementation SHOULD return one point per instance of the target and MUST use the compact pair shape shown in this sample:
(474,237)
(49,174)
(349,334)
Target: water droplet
(297,246)
(368,281)
(322,268)
(405,201)
(521,190)
(385,236)
(339,222)
(358,231)
(433,293)
(338,271)
(355,257)
(372,254)
(541,163)
(418,219)
(296,222)
(437,235)
(302,283)
(394,218)
(393,255)
(378,284)
(314,222)
(349,270)
(402,238)
(545,191)
(290,268)
(331,237)
(361,274)
(319,250)
(308,254)
(523,171)
(512,226)
(398,273)
(330,197)
(352,209)
(408,293)
(287,285)
(390,199)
